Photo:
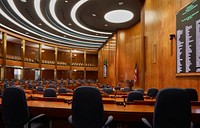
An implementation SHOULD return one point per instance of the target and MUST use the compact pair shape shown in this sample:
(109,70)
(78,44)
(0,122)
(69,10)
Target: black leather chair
(134,95)
(140,90)
(1,93)
(50,92)
(40,89)
(108,90)
(127,89)
(193,95)
(15,113)
(62,90)
(87,109)
(152,92)
(172,109)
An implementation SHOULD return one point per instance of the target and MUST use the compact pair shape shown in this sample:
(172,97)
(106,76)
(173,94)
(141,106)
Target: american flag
(135,74)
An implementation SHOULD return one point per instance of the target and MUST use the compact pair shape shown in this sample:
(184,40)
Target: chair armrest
(145,121)
(39,118)
(70,119)
(192,125)
(108,121)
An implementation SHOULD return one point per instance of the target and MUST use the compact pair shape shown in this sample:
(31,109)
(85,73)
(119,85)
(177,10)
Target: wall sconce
(171,37)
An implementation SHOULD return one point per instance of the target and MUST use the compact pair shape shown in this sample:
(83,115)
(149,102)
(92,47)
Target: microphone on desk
(31,97)
(124,102)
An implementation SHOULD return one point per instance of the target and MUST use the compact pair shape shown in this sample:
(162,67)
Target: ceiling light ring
(12,5)
(119,16)
(63,44)
(73,16)
(53,14)
(29,30)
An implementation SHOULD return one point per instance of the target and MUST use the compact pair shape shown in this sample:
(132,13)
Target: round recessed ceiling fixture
(119,16)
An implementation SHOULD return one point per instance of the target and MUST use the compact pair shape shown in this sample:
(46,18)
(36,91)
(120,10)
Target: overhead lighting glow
(11,3)
(73,16)
(23,1)
(13,21)
(53,14)
(121,3)
(93,14)
(10,29)
(39,13)
(118,16)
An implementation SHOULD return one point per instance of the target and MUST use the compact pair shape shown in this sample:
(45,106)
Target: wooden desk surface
(121,113)
(128,113)
(69,97)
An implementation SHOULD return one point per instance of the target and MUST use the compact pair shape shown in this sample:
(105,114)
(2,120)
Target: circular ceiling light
(118,16)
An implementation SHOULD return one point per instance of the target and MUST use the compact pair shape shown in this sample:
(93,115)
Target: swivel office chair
(39,89)
(140,90)
(62,90)
(152,92)
(15,113)
(134,95)
(108,90)
(49,92)
(1,93)
(127,89)
(193,95)
(172,110)
(87,109)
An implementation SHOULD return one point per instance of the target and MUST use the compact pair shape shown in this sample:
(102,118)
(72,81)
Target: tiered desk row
(58,109)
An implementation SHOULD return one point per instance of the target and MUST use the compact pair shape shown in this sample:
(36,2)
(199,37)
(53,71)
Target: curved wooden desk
(120,113)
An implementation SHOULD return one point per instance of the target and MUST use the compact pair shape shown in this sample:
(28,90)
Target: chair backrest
(135,95)
(39,89)
(152,92)
(0,92)
(49,92)
(63,90)
(117,87)
(108,90)
(193,95)
(127,89)
(14,107)
(172,109)
(87,108)
(140,90)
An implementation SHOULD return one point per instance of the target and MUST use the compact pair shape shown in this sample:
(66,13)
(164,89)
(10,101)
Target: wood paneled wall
(29,74)
(48,55)
(147,44)
(92,59)
(77,75)
(129,53)
(48,74)
(32,52)
(78,57)
(108,53)
(9,73)
(64,56)
(13,49)
(63,74)
(92,75)
(160,22)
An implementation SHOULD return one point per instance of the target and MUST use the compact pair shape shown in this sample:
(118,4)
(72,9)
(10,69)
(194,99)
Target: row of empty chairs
(172,108)
(87,109)
(152,93)
(15,112)
(32,84)
(168,102)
